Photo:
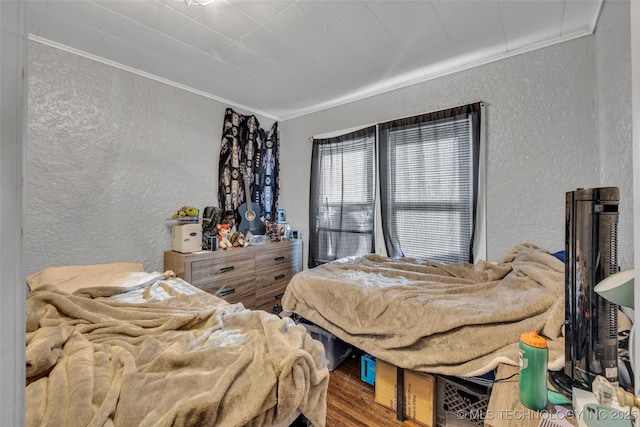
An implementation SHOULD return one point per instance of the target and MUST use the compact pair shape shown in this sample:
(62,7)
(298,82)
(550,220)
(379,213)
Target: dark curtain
(342,196)
(245,146)
(429,179)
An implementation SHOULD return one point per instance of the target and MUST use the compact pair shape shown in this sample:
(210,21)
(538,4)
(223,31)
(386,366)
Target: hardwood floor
(351,401)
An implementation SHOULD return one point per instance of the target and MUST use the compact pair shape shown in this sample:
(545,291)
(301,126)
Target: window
(342,196)
(429,169)
(428,181)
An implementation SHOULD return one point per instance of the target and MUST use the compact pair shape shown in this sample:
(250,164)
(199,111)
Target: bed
(458,319)
(112,345)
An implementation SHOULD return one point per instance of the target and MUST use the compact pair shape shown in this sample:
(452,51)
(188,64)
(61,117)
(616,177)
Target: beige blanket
(458,319)
(176,357)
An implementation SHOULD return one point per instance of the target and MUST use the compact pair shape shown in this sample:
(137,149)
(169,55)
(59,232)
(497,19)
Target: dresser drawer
(255,276)
(269,301)
(288,256)
(214,270)
(270,286)
(233,290)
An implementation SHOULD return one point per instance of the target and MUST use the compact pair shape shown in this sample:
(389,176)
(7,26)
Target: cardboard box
(419,392)
(386,385)
(419,397)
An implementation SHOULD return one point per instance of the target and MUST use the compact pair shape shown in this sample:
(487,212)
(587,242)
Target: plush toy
(189,211)
(237,239)
(224,231)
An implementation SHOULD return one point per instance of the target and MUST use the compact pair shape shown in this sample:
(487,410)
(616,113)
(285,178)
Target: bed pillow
(74,277)
(560,255)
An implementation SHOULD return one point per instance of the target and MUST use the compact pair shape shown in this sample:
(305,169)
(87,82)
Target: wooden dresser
(256,276)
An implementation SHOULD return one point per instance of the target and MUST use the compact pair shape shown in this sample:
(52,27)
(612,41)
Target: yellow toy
(189,211)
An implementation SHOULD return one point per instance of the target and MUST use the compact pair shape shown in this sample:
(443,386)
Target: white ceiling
(286,58)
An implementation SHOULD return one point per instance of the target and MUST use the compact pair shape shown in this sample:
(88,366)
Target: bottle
(532,384)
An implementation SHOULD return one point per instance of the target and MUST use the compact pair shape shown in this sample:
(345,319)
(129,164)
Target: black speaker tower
(591,322)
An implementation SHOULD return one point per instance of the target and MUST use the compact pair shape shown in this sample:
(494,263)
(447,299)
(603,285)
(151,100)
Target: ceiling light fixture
(197,2)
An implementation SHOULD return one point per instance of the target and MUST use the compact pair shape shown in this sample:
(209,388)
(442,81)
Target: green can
(534,358)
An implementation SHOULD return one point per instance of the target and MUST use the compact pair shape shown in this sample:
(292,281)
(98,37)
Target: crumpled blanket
(458,319)
(187,358)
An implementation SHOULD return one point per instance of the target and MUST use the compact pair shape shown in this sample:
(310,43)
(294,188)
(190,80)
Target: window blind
(342,196)
(428,179)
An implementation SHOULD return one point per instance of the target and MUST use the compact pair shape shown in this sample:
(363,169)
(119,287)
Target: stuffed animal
(237,239)
(224,231)
(189,211)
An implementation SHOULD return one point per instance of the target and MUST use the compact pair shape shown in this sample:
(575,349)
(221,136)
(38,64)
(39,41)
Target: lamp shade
(618,288)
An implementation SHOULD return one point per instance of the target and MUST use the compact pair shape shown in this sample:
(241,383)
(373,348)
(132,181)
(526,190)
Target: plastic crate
(460,403)
(335,349)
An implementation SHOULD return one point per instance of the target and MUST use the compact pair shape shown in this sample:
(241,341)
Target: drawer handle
(279,296)
(225,292)
(280,258)
(280,277)
(226,269)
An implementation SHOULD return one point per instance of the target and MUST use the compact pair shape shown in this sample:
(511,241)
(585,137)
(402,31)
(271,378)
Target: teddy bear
(224,231)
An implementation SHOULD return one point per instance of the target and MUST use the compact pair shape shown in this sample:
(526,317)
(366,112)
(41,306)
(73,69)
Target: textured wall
(613,95)
(540,137)
(13,91)
(111,155)
(635,101)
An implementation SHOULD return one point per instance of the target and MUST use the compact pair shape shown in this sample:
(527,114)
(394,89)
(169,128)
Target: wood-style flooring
(351,401)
